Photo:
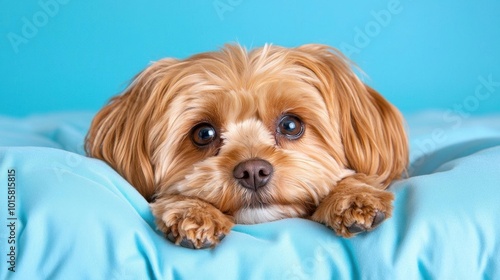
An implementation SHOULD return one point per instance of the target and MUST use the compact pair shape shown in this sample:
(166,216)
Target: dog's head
(261,135)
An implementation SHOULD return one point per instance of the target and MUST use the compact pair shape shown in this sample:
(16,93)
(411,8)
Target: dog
(237,136)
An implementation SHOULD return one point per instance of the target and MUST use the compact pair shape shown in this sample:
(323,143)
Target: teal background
(75,55)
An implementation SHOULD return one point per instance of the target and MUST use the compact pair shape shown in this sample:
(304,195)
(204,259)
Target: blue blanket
(66,216)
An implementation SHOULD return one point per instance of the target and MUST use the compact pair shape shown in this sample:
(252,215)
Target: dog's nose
(253,174)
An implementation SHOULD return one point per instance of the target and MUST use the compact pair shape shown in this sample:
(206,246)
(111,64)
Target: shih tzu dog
(239,136)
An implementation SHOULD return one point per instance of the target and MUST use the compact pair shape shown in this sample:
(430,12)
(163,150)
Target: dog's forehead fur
(236,85)
(265,102)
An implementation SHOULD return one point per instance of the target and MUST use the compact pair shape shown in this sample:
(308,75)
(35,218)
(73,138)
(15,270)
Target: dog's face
(261,136)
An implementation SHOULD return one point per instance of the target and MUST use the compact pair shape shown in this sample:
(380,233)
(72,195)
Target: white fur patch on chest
(265,214)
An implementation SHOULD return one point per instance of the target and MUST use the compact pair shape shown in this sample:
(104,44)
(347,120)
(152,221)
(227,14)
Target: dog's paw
(361,209)
(191,223)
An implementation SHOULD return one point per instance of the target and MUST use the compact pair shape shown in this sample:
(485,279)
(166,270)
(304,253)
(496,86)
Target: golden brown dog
(249,137)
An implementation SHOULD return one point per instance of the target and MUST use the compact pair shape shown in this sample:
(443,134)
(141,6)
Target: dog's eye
(203,134)
(291,127)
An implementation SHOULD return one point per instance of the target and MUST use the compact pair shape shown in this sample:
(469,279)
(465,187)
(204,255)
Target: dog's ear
(120,133)
(371,129)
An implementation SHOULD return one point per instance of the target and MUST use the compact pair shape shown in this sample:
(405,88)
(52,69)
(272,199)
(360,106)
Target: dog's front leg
(190,222)
(354,206)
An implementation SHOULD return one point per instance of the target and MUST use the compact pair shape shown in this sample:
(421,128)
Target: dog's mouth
(257,204)
(258,199)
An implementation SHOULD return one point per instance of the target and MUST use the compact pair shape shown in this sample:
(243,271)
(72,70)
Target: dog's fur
(353,143)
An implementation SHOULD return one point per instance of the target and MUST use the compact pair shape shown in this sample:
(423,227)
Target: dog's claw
(356,228)
(378,219)
(221,236)
(170,236)
(186,243)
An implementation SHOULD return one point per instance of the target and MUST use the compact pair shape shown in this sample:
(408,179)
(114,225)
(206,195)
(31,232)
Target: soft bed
(68,216)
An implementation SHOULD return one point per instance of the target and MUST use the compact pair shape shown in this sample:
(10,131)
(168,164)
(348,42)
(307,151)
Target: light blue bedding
(75,218)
